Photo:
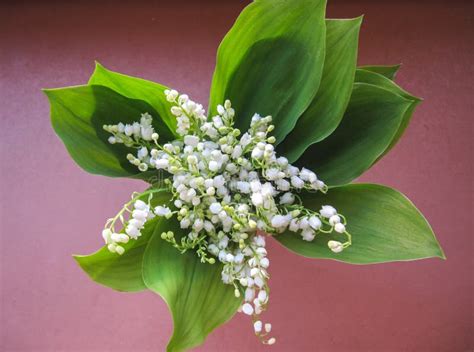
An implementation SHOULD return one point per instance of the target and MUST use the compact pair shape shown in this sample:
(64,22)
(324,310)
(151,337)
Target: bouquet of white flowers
(306,123)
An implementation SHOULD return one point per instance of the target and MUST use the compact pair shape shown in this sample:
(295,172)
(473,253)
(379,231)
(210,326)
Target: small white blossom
(191,140)
(119,250)
(265,262)
(335,219)
(215,208)
(263,296)
(287,198)
(107,235)
(339,227)
(308,235)
(297,182)
(132,231)
(140,205)
(214,166)
(161,163)
(281,221)
(171,95)
(247,309)
(257,199)
(162,211)
(294,225)
(327,211)
(315,222)
(257,326)
(249,293)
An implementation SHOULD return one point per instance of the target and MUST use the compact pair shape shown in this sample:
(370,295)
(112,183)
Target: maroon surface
(50,208)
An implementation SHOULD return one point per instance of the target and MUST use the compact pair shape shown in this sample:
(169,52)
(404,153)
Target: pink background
(51,209)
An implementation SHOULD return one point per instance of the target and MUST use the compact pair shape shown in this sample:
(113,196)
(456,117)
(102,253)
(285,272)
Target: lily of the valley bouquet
(291,123)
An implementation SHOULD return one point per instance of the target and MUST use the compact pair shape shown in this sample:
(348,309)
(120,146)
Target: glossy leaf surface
(271,62)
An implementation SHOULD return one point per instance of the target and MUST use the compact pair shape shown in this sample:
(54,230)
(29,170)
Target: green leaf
(122,272)
(384,224)
(198,299)
(136,88)
(78,115)
(369,125)
(271,62)
(389,71)
(327,108)
(379,80)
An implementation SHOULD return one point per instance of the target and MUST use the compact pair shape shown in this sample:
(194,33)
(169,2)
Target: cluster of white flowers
(139,212)
(228,190)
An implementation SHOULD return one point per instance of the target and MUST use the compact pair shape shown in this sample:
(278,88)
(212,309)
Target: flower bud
(335,246)
(176,111)
(252,224)
(254,271)
(120,237)
(327,211)
(220,109)
(264,262)
(106,235)
(120,250)
(262,296)
(335,219)
(139,204)
(340,228)
(257,326)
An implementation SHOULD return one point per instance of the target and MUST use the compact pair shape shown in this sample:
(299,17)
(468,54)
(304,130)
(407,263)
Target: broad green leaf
(389,71)
(271,62)
(136,88)
(198,299)
(379,80)
(122,272)
(369,125)
(384,224)
(328,106)
(78,115)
